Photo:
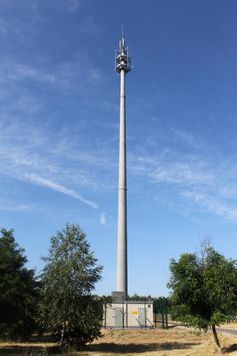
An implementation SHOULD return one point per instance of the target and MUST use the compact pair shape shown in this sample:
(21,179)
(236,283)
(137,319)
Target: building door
(142,317)
(119,317)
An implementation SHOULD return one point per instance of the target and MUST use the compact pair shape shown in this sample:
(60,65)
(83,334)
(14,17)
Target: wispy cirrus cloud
(174,169)
(211,204)
(63,76)
(68,6)
(31,152)
(36,13)
(72,5)
(15,27)
(180,173)
(3,27)
(197,172)
(14,206)
(30,149)
(23,156)
(34,178)
(188,140)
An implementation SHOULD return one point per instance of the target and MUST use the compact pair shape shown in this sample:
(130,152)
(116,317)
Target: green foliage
(105,299)
(137,297)
(69,276)
(18,290)
(204,289)
(160,305)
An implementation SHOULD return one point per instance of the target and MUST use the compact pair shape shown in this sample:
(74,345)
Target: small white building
(128,314)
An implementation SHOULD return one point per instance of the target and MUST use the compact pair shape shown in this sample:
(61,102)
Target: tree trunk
(62,335)
(218,345)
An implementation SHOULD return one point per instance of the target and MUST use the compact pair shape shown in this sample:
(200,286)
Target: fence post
(166,316)
(105,315)
(145,313)
(126,314)
(123,315)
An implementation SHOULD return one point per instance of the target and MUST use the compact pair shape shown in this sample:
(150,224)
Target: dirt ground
(178,341)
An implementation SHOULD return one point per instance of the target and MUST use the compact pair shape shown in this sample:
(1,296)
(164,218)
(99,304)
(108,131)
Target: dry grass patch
(147,342)
(231,325)
(27,348)
(176,341)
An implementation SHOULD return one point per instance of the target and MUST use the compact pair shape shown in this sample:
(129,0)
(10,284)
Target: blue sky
(59,110)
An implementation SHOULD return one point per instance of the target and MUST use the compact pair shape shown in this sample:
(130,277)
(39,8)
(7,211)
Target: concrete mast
(123,66)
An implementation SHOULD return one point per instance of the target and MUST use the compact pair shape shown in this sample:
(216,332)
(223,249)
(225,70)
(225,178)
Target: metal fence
(160,320)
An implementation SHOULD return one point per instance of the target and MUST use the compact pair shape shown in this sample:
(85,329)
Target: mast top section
(122,57)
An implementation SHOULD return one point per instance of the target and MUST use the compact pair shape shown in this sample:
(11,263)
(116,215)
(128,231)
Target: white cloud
(103,219)
(94,74)
(59,188)
(212,205)
(63,76)
(164,168)
(26,71)
(3,27)
(194,171)
(16,26)
(32,154)
(188,139)
(72,5)
(16,206)
(69,6)
(181,173)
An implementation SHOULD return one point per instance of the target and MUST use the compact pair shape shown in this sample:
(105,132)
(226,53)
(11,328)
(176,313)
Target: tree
(69,276)
(138,297)
(204,289)
(161,304)
(18,290)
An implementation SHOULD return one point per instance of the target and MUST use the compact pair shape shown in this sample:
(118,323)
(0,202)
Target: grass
(28,348)
(176,341)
